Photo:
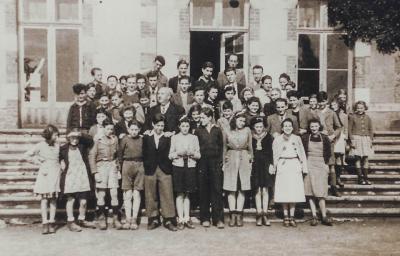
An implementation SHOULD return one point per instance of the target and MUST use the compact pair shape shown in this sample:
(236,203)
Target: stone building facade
(51,44)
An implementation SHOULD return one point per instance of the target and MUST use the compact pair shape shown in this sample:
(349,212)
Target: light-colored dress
(76,179)
(290,164)
(238,152)
(316,181)
(48,178)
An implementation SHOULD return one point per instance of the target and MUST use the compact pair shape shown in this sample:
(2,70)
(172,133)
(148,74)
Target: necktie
(163,110)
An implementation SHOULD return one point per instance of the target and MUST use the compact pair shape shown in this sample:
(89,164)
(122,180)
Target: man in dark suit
(183,97)
(157,170)
(171,111)
(230,74)
(173,82)
(274,121)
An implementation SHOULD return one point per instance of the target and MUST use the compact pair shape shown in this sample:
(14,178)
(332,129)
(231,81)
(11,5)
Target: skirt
(362,146)
(316,181)
(48,179)
(237,168)
(108,173)
(289,186)
(340,144)
(184,179)
(260,176)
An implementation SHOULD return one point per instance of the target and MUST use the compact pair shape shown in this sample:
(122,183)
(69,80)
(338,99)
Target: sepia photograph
(199,127)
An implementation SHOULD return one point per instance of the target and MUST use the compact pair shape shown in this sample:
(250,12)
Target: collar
(261,136)
(205,80)
(166,105)
(152,133)
(80,104)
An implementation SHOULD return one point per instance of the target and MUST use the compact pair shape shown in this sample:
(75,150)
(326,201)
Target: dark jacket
(211,143)
(172,116)
(325,142)
(156,157)
(173,83)
(88,116)
(85,143)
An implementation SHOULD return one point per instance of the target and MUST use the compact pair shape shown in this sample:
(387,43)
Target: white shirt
(153,96)
(164,108)
(157,138)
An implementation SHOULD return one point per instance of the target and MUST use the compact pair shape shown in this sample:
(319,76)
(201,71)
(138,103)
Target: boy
(274,121)
(264,93)
(159,63)
(332,128)
(97,75)
(157,169)
(182,67)
(258,71)
(270,108)
(199,97)
(76,180)
(141,82)
(82,114)
(230,74)
(153,88)
(105,168)
(131,95)
(131,159)
(183,97)
(212,99)
(112,83)
(128,115)
(233,61)
(206,79)
(117,106)
(303,114)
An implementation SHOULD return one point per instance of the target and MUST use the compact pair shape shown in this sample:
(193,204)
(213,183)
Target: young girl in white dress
(290,163)
(47,185)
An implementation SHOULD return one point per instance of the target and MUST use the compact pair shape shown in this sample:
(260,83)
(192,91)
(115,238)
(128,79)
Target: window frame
(218,15)
(324,32)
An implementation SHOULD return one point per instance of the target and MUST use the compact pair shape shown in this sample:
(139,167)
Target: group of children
(198,138)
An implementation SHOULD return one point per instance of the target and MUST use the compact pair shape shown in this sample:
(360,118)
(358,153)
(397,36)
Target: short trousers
(109,174)
(132,175)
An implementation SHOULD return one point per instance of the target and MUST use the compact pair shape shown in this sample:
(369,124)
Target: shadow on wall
(395,125)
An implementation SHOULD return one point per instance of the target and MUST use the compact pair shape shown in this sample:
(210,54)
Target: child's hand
(63,166)
(332,137)
(168,134)
(97,177)
(122,135)
(271,169)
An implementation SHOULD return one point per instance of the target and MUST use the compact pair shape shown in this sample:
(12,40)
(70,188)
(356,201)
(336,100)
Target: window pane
(34,10)
(308,51)
(337,52)
(308,82)
(35,64)
(233,17)
(336,80)
(67,10)
(203,12)
(309,13)
(234,44)
(67,62)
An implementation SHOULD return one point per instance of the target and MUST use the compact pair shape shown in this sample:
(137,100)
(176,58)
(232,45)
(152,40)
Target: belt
(105,160)
(136,159)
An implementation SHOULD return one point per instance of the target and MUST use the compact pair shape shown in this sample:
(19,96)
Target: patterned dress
(76,179)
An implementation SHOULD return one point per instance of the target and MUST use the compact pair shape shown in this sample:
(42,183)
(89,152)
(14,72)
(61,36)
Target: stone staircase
(382,199)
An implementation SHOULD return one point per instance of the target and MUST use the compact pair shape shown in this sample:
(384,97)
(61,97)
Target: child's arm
(196,149)
(92,158)
(173,154)
(336,125)
(121,150)
(32,155)
(302,155)
(250,144)
(370,128)
(350,129)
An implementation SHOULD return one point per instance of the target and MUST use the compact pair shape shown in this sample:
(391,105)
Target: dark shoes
(265,220)
(232,219)
(314,222)
(73,227)
(181,226)
(153,225)
(171,227)
(327,221)
(259,220)
(52,228)
(220,225)
(45,229)
(334,191)
(86,224)
(239,219)
(286,222)
(189,224)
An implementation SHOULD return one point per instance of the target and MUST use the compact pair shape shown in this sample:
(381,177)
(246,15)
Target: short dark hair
(152,74)
(107,122)
(227,105)
(112,76)
(286,120)
(193,108)
(207,64)
(77,88)
(207,111)
(228,88)
(183,78)
(161,59)
(140,76)
(256,100)
(284,75)
(130,76)
(48,132)
(199,88)
(127,108)
(322,96)
(258,67)
(93,70)
(183,119)
(182,61)
(232,123)
(158,118)
(292,94)
(144,94)
(281,100)
(265,78)
(105,95)
(116,93)
(315,120)
(360,102)
(90,85)
(135,122)
(123,77)
(229,69)
(256,120)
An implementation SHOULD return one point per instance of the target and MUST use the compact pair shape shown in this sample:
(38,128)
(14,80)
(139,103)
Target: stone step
(390,141)
(374,189)
(385,149)
(384,158)
(356,201)
(386,133)
(25,168)
(19,202)
(375,178)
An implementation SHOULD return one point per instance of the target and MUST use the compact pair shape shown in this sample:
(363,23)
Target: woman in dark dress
(261,179)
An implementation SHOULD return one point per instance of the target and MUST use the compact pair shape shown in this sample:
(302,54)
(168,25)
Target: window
(218,15)
(50,31)
(323,58)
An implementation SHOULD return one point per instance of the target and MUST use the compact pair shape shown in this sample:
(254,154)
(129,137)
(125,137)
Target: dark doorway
(204,46)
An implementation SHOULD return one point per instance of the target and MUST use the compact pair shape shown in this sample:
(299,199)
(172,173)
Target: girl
(290,164)
(313,102)
(131,159)
(342,100)
(47,185)
(212,94)
(245,95)
(238,156)
(97,130)
(194,117)
(209,171)
(184,152)
(253,109)
(229,95)
(284,80)
(361,133)
(227,114)
(318,150)
(104,167)
(261,179)
(104,102)
(341,141)
(91,93)
(132,94)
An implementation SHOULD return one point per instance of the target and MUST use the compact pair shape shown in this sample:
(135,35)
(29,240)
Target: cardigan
(104,149)
(211,143)
(184,143)
(327,150)
(360,125)
(81,116)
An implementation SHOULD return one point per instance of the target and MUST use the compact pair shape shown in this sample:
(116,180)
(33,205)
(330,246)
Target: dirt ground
(370,237)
